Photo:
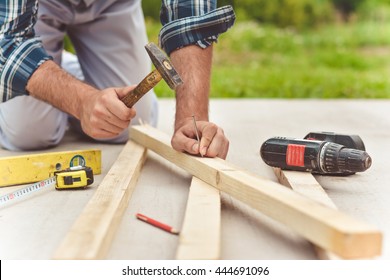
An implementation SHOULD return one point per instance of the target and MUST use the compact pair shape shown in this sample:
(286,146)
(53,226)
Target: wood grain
(305,184)
(200,237)
(91,235)
(142,88)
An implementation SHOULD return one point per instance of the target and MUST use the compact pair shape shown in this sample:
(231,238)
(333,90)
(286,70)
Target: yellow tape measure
(70,178)
(74,177)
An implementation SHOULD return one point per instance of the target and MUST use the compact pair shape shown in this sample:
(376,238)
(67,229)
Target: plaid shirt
(184,23)
(188,22)
(20,52)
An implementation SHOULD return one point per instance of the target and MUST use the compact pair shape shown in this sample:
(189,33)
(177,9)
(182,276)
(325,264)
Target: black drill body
(320,157)
(349,141)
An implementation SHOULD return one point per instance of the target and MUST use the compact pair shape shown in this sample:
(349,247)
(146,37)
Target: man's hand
(104,115)
(213,142)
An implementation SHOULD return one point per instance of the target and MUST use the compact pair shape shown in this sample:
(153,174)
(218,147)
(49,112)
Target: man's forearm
(192,98)
(53,85)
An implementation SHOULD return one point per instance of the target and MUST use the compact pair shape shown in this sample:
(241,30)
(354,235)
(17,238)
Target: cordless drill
(319,153)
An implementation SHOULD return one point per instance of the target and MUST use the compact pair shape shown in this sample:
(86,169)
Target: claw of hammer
(164,70)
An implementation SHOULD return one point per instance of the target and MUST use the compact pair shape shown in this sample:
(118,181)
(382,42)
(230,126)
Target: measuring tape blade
(27,190)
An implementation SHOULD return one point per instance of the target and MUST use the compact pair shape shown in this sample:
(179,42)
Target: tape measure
(71,178)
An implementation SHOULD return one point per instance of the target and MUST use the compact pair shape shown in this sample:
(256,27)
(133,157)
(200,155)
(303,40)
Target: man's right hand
(104,115)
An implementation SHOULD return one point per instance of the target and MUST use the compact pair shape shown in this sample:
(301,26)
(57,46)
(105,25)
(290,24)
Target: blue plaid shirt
(188,22)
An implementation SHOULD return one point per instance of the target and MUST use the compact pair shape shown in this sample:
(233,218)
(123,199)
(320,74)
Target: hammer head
(163,65)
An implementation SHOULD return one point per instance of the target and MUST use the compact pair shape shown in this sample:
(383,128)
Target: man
(109,38)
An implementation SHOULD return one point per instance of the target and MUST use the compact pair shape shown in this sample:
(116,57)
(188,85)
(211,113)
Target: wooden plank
(323,226)
(305,184)
(30,168)
(200,237)
(91,235)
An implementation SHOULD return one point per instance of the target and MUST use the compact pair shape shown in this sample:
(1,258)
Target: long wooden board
(91,235)
(200,237)
(323,226)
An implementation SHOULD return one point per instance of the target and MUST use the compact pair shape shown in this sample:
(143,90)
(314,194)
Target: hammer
(164,69)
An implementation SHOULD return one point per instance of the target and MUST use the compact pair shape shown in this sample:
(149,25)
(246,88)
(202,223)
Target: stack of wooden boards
(315,219)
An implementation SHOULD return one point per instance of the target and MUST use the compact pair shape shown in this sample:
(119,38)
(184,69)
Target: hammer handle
(143,87)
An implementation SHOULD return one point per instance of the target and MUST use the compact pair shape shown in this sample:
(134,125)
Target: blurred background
(297,49)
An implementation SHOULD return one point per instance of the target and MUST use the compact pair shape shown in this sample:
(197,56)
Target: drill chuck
(336,158)
(319,157)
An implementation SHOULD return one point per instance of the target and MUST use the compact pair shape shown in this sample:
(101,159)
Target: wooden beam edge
(200,237)
(305,184)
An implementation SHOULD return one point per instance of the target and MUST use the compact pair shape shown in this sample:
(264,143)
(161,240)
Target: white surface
(34,227)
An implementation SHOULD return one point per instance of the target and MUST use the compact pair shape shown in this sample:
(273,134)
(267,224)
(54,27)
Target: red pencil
(157,223)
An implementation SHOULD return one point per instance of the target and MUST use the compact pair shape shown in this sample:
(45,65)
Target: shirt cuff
(202,30)
(20,63)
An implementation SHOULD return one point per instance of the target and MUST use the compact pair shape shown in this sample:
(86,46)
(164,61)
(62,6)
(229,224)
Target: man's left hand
(213,142)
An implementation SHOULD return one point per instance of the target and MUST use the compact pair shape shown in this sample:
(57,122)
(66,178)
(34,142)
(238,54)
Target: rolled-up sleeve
(21,53)
(190,22)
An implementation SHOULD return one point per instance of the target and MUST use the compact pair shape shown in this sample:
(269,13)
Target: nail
(203,151)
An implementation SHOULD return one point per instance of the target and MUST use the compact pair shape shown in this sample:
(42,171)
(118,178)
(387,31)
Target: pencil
(156,223)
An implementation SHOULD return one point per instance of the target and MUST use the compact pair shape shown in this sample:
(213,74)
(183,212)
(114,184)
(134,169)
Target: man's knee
(29,124)
(33,134)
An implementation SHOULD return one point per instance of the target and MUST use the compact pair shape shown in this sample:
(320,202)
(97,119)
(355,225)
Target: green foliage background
(297,13)
(298,49)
